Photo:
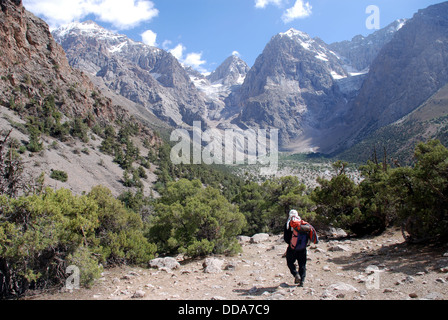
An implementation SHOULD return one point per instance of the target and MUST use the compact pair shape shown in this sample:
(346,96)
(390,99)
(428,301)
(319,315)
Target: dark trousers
(296,255)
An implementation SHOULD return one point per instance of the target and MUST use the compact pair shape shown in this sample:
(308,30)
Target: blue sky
(203,33)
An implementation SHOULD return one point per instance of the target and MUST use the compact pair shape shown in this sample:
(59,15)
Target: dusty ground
(374,268)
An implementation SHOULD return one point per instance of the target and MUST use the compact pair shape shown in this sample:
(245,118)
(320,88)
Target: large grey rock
(167,262)
(213,265)
(259,237)
(336,232)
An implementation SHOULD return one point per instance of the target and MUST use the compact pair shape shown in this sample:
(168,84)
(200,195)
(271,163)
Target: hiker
(298,234)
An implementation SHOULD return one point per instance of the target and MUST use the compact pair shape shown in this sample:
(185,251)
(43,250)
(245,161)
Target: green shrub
(266,206)
(195,220)
(121,231)
(40,235)
(337,202)
(36,235)
(423,193)
(89,269)
(59,175)
(34,144)
(79,129)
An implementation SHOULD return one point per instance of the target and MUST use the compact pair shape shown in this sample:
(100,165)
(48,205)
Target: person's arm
(287,234)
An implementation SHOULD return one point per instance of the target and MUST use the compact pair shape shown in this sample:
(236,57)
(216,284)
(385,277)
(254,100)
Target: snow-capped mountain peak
(294,33)
(231,72)
(86,28)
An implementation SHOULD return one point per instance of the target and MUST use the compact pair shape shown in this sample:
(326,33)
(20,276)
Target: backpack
(302,235)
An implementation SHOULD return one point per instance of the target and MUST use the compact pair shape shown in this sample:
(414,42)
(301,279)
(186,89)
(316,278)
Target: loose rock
(213,265)
(167,262)
(259,237)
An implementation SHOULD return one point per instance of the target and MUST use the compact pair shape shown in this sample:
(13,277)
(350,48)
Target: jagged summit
(360,52)
(294,33)
(87,28)
(146,75)
(231,72)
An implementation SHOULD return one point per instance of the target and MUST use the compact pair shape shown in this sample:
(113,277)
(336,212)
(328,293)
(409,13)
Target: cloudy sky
(203,33)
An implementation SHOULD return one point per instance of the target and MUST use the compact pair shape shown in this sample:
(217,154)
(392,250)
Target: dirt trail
(374,268)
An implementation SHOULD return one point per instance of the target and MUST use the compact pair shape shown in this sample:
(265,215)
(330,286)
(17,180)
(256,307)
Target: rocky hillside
(408,71)
(377,268)
(428,121)
(40,91)
(33,66)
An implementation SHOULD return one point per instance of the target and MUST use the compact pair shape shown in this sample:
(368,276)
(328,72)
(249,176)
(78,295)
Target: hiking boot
(297,279)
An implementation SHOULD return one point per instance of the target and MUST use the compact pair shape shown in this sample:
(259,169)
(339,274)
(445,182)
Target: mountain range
(323,98)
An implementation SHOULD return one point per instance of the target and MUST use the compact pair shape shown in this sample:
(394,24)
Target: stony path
(374,268)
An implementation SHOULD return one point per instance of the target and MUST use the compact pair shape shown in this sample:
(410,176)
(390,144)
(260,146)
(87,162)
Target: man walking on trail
(298,234)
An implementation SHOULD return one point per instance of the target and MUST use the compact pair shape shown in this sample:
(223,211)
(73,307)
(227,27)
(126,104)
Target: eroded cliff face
(33,67)
(293,86)
(407,71)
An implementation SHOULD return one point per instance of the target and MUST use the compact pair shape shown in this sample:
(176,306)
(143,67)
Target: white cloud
(122,14)
(263,3)
(300,10)
(236,53)
(192,59)
(178,51)
(149,37)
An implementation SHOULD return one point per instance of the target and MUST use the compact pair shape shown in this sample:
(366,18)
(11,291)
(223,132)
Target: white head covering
(293,215)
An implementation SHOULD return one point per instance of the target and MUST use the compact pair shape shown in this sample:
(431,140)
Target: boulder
(336,232)
(243,239)
(259,237)
(167,262)
(139,294)
(213,265)
(341,286)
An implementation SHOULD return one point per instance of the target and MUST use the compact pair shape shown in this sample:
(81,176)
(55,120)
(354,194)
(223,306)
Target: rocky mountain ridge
(322,97)
(360,52)
(146,75)
(407,71)
(299,85)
